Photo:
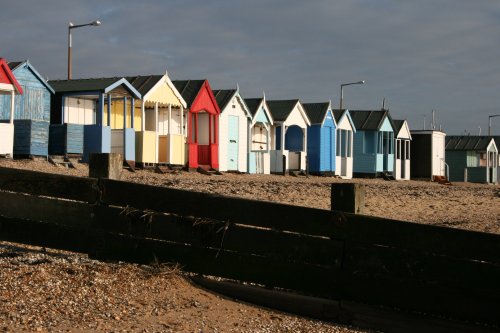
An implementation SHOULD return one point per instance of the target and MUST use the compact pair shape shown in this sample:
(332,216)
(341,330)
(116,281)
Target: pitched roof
(223,97)
(280,110)
(8,75)
(316,111)
(338,114)
(398,124)
(469,142)
(368,120)
(189,89)
(143,84)
(14,65)
(75,85)
(253,104)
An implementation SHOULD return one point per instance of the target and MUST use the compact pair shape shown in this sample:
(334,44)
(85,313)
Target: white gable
(297,117)
(404,132)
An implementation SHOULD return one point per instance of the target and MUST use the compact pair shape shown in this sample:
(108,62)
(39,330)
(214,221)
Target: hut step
(61,161)
(442,180)
(388,175)
(129,165)
(207,170)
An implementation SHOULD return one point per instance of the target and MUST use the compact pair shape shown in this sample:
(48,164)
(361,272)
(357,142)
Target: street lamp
(489,122)
(73,26)
(342,90)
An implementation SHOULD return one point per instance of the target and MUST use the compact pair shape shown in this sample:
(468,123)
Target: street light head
(96,23)
(361,82)
(71,24)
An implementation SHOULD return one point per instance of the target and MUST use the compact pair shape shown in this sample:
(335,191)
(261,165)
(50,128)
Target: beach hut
(373,143)
(321,137)
(402,150)
(289,136)
(472,159)
(234,122)
(427,156)
(259,157)
(344,150)
(203,122)
(9,87)
(31,112)
(81,117)
(159,121)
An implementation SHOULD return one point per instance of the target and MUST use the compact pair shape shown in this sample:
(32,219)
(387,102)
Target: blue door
(328,149)
(232,147)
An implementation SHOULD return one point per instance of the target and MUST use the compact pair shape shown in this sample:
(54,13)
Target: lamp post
(342,90)
(70,27)
(489,122)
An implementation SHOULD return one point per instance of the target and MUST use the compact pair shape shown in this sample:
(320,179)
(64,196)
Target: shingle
(223,97)
(280,110)
(316,111)
(189,89)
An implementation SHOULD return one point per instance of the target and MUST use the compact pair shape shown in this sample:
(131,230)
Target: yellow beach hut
(159,121)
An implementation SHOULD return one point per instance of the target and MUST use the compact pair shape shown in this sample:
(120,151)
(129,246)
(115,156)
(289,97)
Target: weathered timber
(49,210)
(53,185)
(318,280)
(348,197)
(414,236)
(47,235)
(218,234)
(105,165)
(314,307)
(392,320)
(231,209)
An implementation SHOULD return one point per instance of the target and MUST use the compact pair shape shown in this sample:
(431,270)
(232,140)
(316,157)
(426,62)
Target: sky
(441,55)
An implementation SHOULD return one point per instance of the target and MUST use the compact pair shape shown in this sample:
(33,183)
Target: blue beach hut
(31,111)
(78,122)
(321,138)
(373,143)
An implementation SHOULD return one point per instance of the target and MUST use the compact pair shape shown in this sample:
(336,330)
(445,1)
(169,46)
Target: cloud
(420,55)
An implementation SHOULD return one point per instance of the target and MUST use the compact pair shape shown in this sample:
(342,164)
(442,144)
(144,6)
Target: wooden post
(348,197)
(105,165)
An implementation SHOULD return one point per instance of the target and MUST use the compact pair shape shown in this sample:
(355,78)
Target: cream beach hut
(234,122)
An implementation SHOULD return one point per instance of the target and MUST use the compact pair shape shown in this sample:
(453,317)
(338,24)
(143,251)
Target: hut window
(407,149)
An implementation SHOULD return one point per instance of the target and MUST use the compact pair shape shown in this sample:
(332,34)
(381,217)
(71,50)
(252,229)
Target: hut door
(232,147)
(328,149)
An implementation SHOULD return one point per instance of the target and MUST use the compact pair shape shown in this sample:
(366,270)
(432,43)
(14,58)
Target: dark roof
(468,142)
(280,110)
(368,120)
(337,114)
(253,104)
(14,64)
(316,111)
(223,97)
(397,124)
(189,89)
(143,84)
(61,86)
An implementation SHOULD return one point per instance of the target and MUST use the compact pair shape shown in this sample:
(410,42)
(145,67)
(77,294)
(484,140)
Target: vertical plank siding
(31,137)
(31,114)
